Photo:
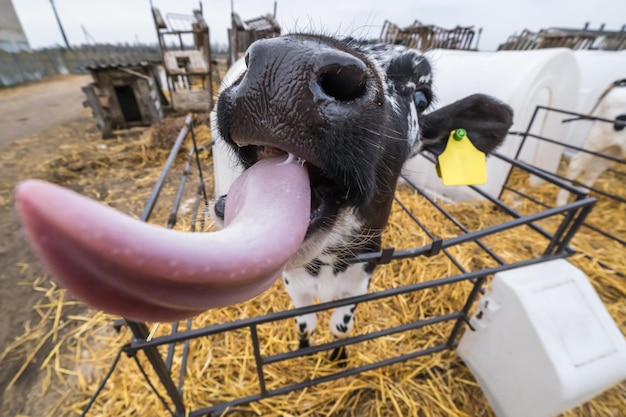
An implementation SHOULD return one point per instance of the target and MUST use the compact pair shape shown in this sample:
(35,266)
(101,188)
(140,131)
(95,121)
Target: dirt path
(26,110)
(31,119)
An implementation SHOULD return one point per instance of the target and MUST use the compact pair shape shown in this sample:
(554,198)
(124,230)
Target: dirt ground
(25,111)
(31,108)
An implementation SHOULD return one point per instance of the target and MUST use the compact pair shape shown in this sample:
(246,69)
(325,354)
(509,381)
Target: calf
(322,128)
(354,111)
(605,138)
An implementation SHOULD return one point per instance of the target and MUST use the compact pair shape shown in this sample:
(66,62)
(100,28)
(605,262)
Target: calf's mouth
(326,194)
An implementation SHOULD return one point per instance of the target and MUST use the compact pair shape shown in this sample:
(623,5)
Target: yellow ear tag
(461,163)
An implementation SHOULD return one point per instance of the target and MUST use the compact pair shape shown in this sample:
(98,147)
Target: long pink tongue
(124,266)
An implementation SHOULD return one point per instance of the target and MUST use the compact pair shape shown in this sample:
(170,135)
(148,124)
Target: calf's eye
(421,101)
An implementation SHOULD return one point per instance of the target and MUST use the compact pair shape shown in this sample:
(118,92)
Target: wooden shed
(124,95)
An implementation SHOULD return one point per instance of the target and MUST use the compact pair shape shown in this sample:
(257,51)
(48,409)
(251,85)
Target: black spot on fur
(339,355)
(340,267)
(342,328)
(302,327)
(347,318)
(619,126)
(314,267)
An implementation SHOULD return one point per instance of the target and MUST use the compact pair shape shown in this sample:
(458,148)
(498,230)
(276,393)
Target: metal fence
(567,218)
(618,168)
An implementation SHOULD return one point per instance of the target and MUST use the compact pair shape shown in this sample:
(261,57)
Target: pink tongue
(124,266)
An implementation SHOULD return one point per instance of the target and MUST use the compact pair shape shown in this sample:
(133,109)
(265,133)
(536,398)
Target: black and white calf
(605,138)
(354,111)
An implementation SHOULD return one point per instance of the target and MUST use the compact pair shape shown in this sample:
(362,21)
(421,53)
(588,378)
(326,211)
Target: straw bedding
(82,344)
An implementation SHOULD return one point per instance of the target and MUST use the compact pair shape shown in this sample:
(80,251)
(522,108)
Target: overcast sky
(130,20)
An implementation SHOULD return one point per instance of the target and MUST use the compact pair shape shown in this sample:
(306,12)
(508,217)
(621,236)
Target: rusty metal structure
(124,95)
(186,59)
(242,33)
(585,38)
(425,37)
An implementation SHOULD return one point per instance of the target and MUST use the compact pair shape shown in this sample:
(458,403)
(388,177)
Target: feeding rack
(567,220)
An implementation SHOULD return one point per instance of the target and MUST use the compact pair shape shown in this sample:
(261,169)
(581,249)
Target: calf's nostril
(343,82)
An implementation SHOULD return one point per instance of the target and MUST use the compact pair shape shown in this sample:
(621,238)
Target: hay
(221,368)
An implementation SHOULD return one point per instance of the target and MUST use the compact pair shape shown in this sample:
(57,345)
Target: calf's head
(350,112)
(354,111)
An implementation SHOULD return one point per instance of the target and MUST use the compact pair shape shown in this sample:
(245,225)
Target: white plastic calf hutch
(522,79)
(543,342)
(598,69)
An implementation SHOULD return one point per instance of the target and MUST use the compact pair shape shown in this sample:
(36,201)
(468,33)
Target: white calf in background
(605,138)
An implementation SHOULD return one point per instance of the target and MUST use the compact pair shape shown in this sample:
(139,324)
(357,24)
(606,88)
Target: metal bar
(362,338)
(316,381)
(152,387)
(429,234)
(617,172)
(408,253)
(102,384)
(605,234)
(559,232)
(140,332)
(166,169)
(585,225)
(185,355)
(288,314)
(587,187)
(578,148)
(198,164)
(476,289)
(453,219)
(519,148)
(605,266)
(527,197)
(513,213)
(258,359)
(584,212)
(541,173)
(530,125)
(170,349)
(171,221)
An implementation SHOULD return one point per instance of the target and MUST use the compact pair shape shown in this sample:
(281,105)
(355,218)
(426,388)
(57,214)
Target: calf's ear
(486,120)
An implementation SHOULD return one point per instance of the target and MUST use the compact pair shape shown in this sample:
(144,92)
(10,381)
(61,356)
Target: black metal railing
(570,217)
(570,183)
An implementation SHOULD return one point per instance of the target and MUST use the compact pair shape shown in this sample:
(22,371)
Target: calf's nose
(297,64)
